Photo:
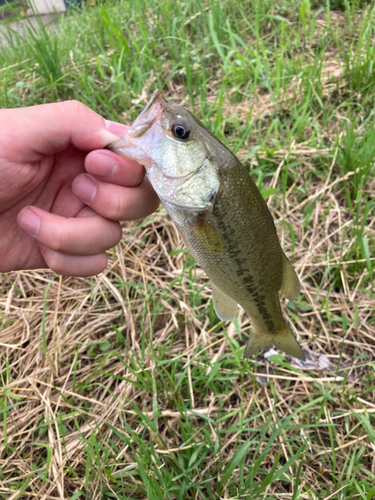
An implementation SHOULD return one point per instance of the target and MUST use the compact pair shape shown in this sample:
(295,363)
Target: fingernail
(29,221)
(107,167)
(108,124)
(115,128)
(85,188)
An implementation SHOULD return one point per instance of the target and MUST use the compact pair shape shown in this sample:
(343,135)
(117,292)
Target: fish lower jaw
(196,209)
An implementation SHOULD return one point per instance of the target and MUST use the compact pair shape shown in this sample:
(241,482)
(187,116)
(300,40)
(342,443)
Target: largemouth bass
(221,216)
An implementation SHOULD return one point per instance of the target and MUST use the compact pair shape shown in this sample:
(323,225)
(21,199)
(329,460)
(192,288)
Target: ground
(126,385)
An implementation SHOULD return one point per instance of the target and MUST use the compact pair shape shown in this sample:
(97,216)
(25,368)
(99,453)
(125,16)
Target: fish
(221,216)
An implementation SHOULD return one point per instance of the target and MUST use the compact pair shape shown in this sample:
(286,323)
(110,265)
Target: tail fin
(283,340)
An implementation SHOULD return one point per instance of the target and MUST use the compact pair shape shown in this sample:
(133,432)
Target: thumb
(50,128)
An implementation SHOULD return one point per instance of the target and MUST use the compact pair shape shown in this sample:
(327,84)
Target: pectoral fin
(185,241)
(208,237)
(225,307)
(290,285)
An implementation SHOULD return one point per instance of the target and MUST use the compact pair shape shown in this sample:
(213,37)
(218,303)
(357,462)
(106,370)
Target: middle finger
(116,202)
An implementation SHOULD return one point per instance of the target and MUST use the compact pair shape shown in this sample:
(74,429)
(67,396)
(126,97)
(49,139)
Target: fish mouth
(149,117)
(156,95)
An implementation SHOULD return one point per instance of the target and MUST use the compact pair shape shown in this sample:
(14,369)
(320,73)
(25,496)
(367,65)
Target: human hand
(61,194)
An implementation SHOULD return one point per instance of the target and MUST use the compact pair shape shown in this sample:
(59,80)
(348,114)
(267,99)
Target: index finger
(50,128)
(114,168)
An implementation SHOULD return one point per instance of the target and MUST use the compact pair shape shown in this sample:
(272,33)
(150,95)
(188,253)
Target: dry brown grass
(50,323)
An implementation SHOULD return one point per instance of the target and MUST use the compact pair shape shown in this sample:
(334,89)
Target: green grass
(127,386)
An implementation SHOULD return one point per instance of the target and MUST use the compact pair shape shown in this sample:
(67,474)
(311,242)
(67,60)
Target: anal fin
(225,307)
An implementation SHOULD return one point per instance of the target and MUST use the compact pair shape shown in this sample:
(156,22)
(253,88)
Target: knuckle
(59,242)
(115,211)
(100,264)
(56,262)
(116,234)
(113,234)
(73,107)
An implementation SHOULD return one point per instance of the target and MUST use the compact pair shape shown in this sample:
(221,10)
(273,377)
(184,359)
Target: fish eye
(180,131)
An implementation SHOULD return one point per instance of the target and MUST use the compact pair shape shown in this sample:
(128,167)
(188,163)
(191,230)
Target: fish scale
(221,215)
